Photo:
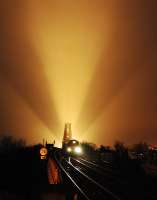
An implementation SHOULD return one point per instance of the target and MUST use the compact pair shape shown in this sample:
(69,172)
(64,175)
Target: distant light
(69,149)
(43,151)
(78,150)
(74,142)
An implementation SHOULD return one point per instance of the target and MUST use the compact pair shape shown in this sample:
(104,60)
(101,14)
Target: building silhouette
(67,134)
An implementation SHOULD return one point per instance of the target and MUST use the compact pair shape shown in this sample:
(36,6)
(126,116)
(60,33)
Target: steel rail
(96,165)
(82,162)
(107,165)
(67,174)
(96,183)
(103,189)
(103,172)
(85,193)
(106,162)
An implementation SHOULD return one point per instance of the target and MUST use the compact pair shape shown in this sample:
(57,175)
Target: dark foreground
(24,176)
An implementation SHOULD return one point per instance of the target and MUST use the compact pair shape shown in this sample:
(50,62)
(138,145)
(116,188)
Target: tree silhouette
(88,148)
(141,147)
(8,144)
(121,151)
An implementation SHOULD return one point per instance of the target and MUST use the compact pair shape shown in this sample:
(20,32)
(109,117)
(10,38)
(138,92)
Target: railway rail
(88,187)
(108,169)
(120,187)
(110,175)
(93,183)
(107,179)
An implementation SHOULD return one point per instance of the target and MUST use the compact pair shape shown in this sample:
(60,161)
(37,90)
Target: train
(73,147)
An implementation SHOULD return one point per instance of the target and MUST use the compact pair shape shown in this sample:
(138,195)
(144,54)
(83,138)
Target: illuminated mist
(91,63)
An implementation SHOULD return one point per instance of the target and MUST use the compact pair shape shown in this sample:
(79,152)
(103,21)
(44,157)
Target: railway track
(94,182)
(107,179)
(110,175)
(88,187)
(112,181)
(106,169)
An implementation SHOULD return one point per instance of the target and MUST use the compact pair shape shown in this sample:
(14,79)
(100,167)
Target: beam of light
(69,49)
(112,92)
(37,98)
(115,107)
(22,68)
(20,119)
(105,117)
(84,60)
(69,60)
(106,89)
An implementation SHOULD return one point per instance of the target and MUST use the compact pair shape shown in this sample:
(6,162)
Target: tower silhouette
(67,134)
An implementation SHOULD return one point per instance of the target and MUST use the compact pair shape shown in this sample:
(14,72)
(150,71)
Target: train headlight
(78,150)
(69,149)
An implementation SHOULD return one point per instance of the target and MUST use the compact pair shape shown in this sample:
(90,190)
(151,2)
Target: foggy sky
(93,62)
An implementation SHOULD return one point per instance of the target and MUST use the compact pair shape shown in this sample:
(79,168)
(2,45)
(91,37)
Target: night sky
(91,63)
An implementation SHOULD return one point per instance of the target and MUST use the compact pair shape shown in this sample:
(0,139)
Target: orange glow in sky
(69,48)
(91,63)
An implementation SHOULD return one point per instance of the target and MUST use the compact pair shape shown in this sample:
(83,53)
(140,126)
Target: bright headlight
(78,150)
(69,149)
